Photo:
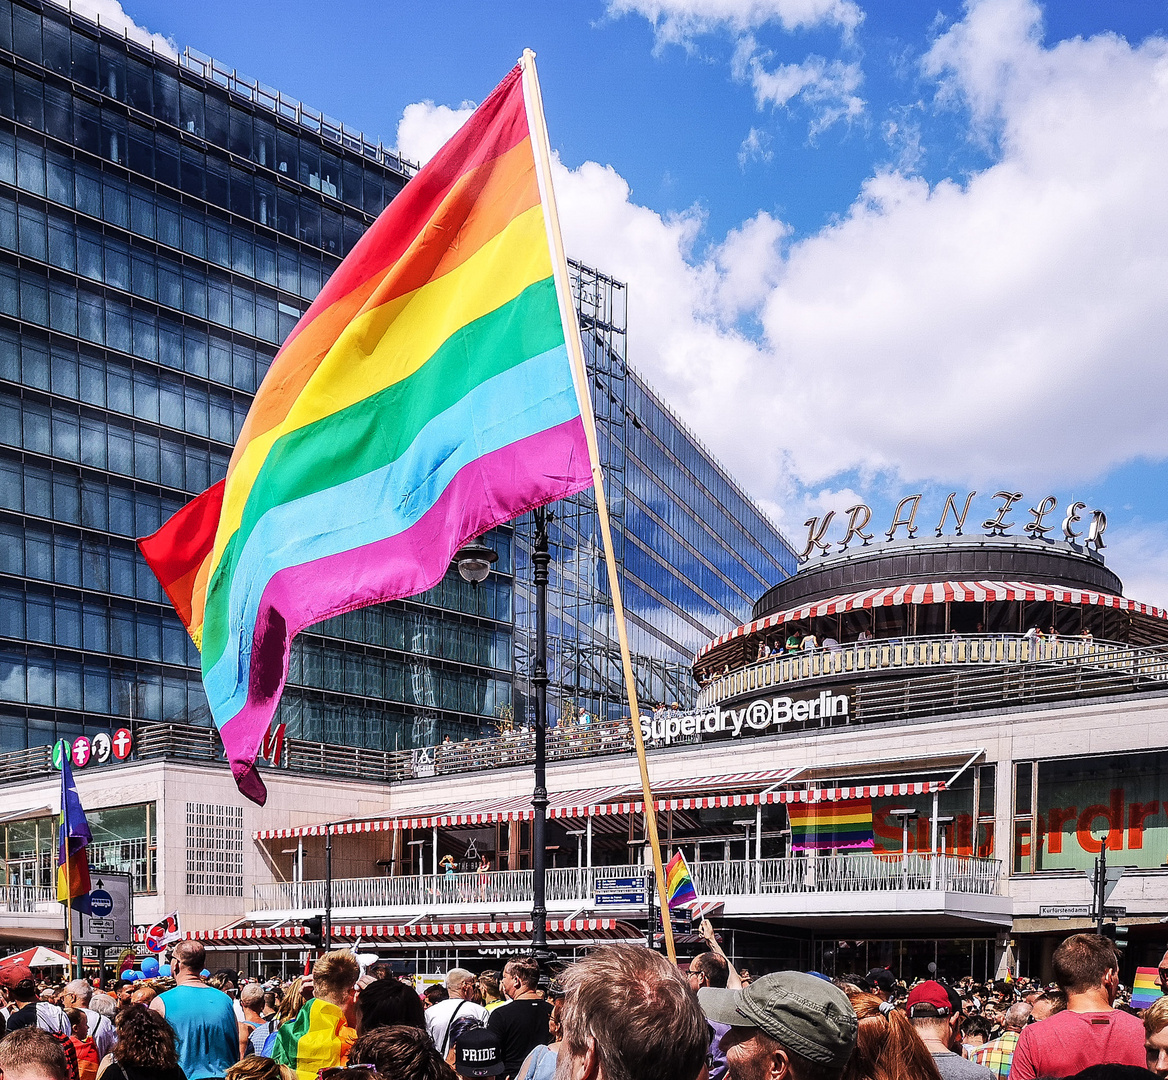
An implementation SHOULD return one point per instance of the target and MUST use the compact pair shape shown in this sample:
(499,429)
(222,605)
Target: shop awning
(937,592)
(563,931)
(691,793)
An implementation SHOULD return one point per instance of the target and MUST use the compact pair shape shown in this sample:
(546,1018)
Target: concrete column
(434,840)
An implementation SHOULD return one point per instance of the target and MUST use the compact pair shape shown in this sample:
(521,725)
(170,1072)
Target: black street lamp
(474,563)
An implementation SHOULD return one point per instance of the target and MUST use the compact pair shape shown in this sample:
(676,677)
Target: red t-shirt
(1069,1042)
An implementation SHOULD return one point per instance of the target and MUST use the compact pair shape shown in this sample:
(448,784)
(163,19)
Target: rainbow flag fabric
(1146,988)
(678,883)
(425,397)
(73,837)
(827,826)
(318,1038)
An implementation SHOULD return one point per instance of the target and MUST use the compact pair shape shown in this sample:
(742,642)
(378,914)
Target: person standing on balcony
(1089,1031)
(523,1023)
(206,1031)
(936,1015)
(460,1005)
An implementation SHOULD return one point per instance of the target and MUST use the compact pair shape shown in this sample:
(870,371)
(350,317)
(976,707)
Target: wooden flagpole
(539,140)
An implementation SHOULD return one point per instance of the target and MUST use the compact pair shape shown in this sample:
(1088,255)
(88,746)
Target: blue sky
(871,249)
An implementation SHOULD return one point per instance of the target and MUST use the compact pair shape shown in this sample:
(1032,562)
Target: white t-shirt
(438,1018)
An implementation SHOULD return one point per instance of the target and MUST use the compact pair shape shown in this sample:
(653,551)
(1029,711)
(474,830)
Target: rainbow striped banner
(426,396)
(1146,988)
(825,826)
(678,883)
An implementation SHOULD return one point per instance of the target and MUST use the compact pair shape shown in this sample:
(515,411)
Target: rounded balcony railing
(897,657)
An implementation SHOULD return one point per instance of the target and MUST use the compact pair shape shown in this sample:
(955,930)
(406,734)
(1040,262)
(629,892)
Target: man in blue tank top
(205,1028)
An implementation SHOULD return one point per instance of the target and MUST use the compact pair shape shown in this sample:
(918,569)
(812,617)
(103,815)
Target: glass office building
(163,225)
(692,549)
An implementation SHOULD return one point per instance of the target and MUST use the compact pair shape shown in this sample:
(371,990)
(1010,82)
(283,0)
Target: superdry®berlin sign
(758,717)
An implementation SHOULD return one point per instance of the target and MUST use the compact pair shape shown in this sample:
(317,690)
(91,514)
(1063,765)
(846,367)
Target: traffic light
(314,931)
(1116,934)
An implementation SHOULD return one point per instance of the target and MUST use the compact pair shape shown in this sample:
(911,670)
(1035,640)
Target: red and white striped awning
(937,592)
(870,791)
(405,932)
(692,793)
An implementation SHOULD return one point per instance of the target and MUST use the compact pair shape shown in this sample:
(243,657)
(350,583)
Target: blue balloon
(204,974)
(149,966)
(164,970)
(131,976)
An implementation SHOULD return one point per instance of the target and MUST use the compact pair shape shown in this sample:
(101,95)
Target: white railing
(965,650)
(714,880)
(27,898)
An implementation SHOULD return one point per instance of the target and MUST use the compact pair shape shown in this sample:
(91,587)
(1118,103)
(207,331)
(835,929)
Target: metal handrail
(866,872)
(949,651)
(27,898)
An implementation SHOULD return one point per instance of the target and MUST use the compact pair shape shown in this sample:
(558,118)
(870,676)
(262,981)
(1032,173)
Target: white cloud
(680,21)
(110,14)
(755,147)
(828,88)
(424,127)
(1140,557)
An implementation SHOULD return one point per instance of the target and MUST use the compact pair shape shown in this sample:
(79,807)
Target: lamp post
(906,814)
(474,563)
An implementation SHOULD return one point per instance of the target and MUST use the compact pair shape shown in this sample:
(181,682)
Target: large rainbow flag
(424,397)
(825,826)
(1146,989)
(318,1037)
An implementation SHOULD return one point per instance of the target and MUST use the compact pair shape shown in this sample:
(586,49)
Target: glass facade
(693,550)
(162,228)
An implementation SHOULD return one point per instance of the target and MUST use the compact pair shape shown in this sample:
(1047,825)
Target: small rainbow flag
(678,882)
(825,826)
(425,397)
(72,839)
(1146,988)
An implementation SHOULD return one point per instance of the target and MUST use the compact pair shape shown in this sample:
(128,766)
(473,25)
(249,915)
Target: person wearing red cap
(936,1015)
(1089,1031)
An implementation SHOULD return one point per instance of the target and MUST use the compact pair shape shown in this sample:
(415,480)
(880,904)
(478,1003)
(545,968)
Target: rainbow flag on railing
(1146,988)
(425,397)
(678,883)
(825,826)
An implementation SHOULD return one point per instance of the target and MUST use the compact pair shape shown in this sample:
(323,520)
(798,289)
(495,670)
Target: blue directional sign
(620,891)
(101,904)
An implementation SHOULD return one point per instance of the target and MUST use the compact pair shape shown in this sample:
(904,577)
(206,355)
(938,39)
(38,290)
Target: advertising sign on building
(763,716)
(109,921)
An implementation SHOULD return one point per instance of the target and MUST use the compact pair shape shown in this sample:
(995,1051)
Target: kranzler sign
(762,716)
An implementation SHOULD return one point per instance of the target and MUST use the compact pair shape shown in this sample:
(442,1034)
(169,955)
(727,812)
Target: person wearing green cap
(787,1024)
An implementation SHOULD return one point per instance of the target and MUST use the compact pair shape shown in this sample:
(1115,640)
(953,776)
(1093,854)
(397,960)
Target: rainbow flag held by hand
(426,396)
(73,837)
(1146,989)
(678,883)
(826,826)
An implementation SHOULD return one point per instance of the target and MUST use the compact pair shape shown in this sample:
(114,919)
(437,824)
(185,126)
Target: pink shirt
(1069,1042)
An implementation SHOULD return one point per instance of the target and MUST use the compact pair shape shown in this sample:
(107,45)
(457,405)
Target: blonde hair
(335,974)
(1156,1016)
(292,1001)
(254,1067)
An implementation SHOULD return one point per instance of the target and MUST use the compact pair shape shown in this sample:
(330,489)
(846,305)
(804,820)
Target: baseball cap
(811,1017)
(11,977)
(882,978)
(933,996)
(477,1053)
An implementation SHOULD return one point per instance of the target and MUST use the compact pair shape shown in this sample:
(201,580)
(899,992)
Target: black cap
(882,978)
(477,1053)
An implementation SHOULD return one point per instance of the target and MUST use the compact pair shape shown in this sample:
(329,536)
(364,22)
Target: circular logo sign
(122,744)
(101,903)
(80,753)
(102,747)
(62,748)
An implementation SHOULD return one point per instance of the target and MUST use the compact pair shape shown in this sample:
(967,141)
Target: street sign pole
(1100,885)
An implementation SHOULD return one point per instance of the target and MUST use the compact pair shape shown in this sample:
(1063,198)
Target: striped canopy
(936,592)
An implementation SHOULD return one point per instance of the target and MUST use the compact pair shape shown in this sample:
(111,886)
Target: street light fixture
(474,562)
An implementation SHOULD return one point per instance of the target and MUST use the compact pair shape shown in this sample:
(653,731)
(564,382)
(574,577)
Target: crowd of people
(622,1013)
